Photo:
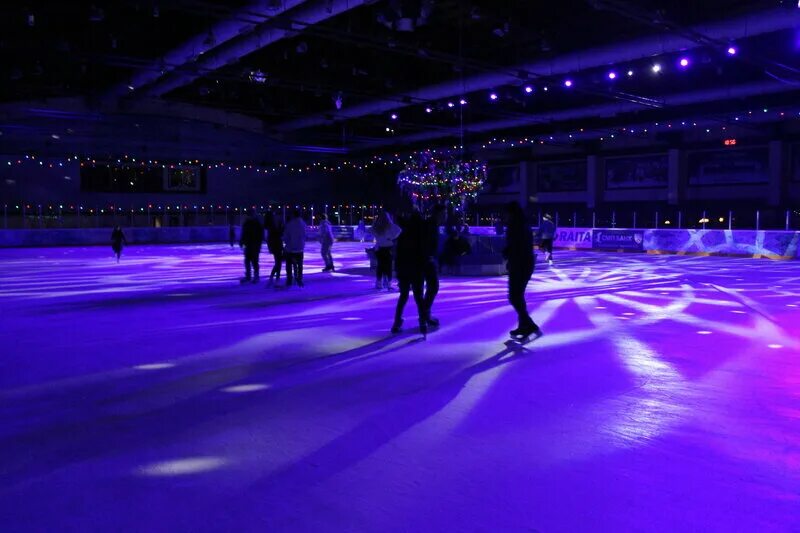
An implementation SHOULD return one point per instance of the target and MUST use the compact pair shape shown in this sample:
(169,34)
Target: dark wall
(51,183)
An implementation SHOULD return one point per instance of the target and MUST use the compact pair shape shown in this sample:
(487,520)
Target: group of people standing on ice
(286,243)
(408,247)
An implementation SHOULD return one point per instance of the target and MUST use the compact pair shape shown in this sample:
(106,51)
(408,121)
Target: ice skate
(397,327)
(245,280)
(432,322)
(525,334)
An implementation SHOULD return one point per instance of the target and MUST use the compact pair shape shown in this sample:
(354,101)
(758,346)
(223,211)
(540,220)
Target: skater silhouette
(274,245)
(294,239)
(117,239)
(410,261)
(251,238)
(326,242)
(385,232)
(547,232)
(520,262)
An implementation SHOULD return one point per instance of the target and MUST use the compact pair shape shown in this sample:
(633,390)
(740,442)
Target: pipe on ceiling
(605,110)
(220,33)
(260,37)
(728,30)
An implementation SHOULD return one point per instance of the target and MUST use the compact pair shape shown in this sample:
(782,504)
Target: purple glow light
(568,83)
(428,110)
(732,50)
(612,75)
(528,89)
(493,96)
(684,62)
(450,104)
(462,102)
(394,116)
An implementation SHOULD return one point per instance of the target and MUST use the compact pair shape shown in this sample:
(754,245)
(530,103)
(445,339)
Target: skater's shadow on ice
(402,415)
(70,432)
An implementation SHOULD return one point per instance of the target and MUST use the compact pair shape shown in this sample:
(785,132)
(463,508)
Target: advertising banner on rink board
(616,239)
(573,238)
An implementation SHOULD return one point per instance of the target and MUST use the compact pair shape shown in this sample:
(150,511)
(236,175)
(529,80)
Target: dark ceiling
(375,56)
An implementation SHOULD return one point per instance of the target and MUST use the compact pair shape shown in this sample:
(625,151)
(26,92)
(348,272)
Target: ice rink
(159,394)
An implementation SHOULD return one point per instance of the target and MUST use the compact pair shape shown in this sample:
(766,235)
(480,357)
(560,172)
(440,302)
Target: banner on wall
(573,238)
(561,176)
(503,179)
(637,172)
(616,239)
(729,167)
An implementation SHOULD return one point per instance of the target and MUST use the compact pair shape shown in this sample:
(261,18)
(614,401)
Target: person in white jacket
(385,232)
(326,242)
(294,240)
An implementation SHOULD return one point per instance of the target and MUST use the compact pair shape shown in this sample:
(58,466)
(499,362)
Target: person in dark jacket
(410,260)
(547,232)
(274,245)
(431,268)
(117,239)
(251,238)
(520,262)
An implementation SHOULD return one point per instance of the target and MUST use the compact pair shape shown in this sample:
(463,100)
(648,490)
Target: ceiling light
(684,62)
(493,96)
(612,75)
(630,73)
(394,116)
(450,104)
(462,102)
(428,110)
(568,83)
(528,89)
(656,68)
(732,50)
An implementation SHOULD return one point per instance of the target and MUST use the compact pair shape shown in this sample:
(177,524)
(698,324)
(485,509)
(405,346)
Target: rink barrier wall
(485,242)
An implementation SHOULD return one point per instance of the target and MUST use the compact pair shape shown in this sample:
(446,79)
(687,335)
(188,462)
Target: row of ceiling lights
(657,68)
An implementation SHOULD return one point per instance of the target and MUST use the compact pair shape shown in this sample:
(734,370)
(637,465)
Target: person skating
(294,239)
(117,239)
(410,260)
(275,246)
(360,232)
(232,234)
(520,261)
(547,232)
(431,268)
(250,240)
(385,232)
(326,242)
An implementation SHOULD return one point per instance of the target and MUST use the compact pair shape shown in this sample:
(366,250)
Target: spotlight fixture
(567,83)
(684,62)
(656,68)
(528,89)
(732,50)
(462,102)
(630,73)
(394,116)
(493,96)
(450,104)
(612,75)
(428,110)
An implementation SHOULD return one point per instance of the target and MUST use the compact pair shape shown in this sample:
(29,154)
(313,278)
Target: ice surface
(158,394)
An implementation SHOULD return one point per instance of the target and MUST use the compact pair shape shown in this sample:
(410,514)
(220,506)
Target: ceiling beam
(259,37)
(238,23)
